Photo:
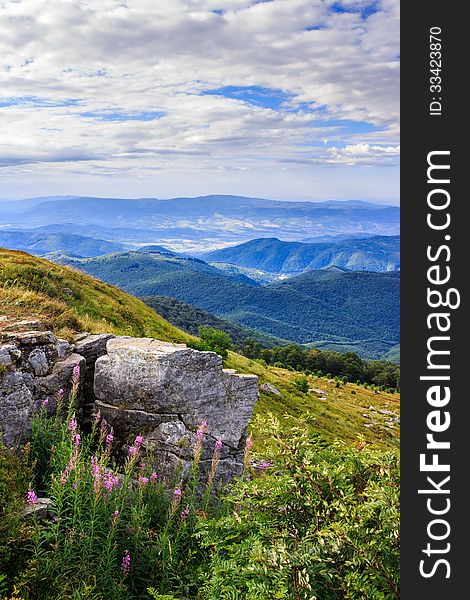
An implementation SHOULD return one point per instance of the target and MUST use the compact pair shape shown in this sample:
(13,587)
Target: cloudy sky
(290,99)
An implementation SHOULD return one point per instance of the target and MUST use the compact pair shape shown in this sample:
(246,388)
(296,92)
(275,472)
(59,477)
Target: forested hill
(376,253)
(326,306)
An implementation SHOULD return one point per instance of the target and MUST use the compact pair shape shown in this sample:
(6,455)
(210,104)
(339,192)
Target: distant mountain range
(43,243)
(275,257)
(356,309)
(198,224)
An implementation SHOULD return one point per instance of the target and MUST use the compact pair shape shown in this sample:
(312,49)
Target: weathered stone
(25,325)
(35,365)
(38,361)
(165,391)
(16,404)
(91,347)
(9,354)
(267,387)
(63,349)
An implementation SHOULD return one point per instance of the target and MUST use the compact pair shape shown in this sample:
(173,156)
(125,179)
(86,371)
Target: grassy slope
(67,300)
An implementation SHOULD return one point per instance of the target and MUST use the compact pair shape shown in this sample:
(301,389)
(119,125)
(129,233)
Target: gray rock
(38,361)
(16,404)
(267,387)
(25,325)
(165,391)
(35,366)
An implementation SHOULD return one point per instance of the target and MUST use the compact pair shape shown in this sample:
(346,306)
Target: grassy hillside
(328,305)
(67,301)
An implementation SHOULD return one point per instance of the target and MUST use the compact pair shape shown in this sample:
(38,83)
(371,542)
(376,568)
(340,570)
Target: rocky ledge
(141,386)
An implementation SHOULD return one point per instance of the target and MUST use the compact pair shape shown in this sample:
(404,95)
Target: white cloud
(160,56)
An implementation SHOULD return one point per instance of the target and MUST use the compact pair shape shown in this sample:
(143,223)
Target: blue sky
(289,99)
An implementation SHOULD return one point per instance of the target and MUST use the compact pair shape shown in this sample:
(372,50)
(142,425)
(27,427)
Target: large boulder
(164,391)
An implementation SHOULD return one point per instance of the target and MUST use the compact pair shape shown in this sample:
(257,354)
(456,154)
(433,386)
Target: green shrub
(213,340)
(301,383)
(323,522)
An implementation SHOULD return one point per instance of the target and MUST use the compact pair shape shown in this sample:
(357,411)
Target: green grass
(67,301)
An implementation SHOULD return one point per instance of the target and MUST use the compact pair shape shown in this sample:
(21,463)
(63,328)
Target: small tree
(214,340)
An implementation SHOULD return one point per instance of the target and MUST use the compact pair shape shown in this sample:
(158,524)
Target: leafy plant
(322,522)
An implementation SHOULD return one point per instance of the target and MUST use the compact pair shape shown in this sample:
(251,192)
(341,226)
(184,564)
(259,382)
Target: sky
(283,99)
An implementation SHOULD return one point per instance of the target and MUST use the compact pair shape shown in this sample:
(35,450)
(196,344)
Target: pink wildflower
(265,465)
(96,474)
(138,440)
(126,563)
(31,497)
(72,426)
(249,442)
(76,373)
(109,440)
(110,480)
(132,451)
(143,480)
(115,517)
(45,402)
(153,476)
(218,444)
(177,493)
(59,396)
(77,439)
(184,513)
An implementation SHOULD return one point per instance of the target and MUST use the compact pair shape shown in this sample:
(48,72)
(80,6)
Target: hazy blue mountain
(327,306)
(40,243)
(204,222)
(273,256)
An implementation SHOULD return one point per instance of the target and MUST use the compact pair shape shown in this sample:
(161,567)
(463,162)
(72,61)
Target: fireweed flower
(247,456)
(96,474)
(265,465)
(59,397)
(115,517)
(132,451)
(31,497)
(215,461)
(200,437)
(76,375)
(45,402)
(184,513)
(153,476)
(138,440)
(110,481)
(72,426)
(77,439)
(109,440)
(126,563)
(143,480)
(66,472)
(176,499)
